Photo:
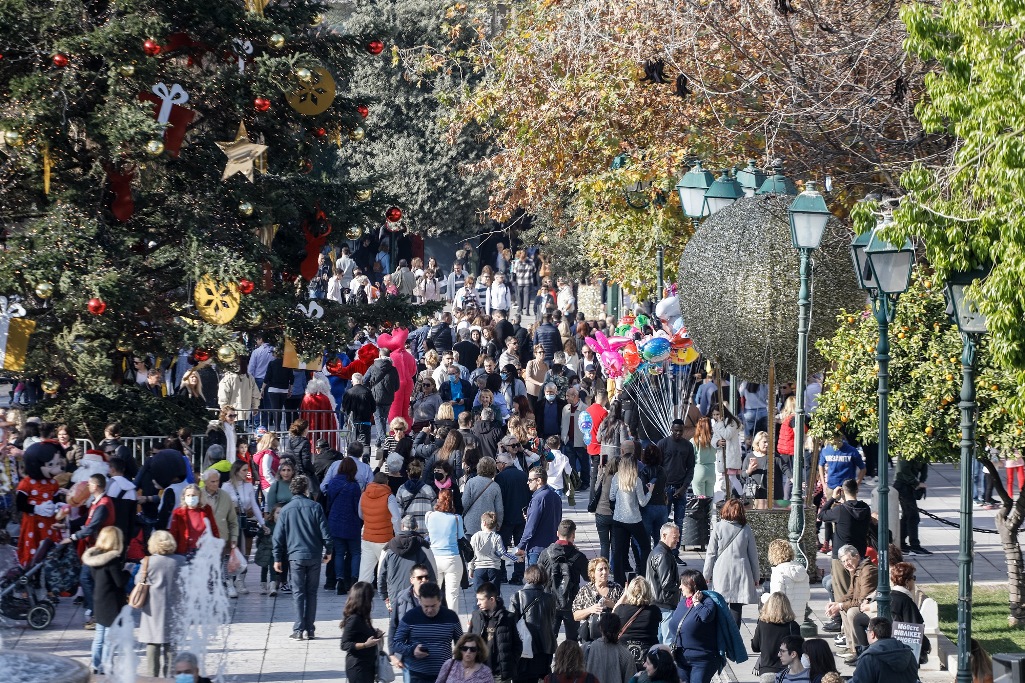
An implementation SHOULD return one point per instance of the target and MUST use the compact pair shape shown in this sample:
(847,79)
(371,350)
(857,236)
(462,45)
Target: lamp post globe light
(777,183)
(723,192)
(692,188)
(808,217)
(750,178)
(885,276)
(971,324)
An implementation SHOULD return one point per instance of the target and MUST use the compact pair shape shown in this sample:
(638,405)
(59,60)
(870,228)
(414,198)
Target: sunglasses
(421,578)
(231,415)
(469,648)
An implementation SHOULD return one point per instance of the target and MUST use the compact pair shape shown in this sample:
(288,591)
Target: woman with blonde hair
(599,595)
(776,622)
(640,618)
(629,494)
(266,460)
(446,416)
(757,469)
(788,577)
(191,387)
(569,347)
(107,567)
(222,432)
(160,572)
(703,483)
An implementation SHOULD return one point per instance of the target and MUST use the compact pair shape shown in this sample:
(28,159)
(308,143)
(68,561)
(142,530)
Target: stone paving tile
(256,648)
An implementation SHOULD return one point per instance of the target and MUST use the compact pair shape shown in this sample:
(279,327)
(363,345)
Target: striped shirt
(436,634)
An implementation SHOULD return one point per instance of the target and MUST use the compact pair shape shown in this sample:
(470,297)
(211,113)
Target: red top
(188,524)
(35,528)
(101,501)
(785,445)
(597,414)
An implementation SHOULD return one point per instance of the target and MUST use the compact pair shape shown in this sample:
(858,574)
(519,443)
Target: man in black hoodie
(497,626)
(401,555)
(852,518)
(886,660)
(383,381)
(565,567)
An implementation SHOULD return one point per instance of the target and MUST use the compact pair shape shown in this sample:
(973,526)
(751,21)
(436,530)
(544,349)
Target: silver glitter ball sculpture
(739,282)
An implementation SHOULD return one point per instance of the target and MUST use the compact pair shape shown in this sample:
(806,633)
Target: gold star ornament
(243,155)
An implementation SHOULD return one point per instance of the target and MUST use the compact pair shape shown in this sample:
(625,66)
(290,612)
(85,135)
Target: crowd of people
(460,484)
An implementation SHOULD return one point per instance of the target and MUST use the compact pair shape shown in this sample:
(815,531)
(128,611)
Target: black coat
(566,568)
(360,664)
(537,607)
(498,629)
(110,578)
(852,520)
(359,402)
(440,338)
(383,381)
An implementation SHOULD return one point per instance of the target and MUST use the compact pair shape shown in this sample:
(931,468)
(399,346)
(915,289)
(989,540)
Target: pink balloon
(616,343)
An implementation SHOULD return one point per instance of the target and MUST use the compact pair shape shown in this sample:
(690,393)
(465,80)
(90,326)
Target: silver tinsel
(739,282)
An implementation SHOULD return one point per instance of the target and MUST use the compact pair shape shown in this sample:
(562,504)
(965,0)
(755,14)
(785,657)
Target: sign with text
(911,635)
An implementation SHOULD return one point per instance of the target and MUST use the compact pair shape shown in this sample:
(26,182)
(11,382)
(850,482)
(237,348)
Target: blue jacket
(731,645)
(515,495)
(343,518)
(543,516)
(691,633)
(301,532)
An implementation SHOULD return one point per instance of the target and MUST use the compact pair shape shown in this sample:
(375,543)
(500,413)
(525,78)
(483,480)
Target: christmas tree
(168,179)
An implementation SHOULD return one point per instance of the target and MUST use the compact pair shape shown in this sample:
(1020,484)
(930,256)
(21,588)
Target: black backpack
(561,583)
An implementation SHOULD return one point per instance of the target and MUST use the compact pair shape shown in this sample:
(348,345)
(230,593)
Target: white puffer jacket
(791,579)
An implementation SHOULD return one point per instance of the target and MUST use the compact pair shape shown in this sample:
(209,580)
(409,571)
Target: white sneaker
(232,593)
(263,588)
(272,588)
(240,586)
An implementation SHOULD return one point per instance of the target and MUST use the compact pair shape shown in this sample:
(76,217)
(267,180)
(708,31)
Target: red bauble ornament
(394,214)
(201,356)
(334,365)
(320,132)
(375,47)
(363,110)
(97,306)
(151,47)
(261,104)
(246,286)
(60,60)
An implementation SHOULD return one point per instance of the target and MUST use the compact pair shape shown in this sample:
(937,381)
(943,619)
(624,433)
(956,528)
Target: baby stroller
(21,590)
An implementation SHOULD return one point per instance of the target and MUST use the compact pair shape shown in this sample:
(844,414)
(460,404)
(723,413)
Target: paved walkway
(256,647)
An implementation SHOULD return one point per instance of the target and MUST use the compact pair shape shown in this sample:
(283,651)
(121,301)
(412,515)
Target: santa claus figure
(405,364)
(35,498)
(318,409)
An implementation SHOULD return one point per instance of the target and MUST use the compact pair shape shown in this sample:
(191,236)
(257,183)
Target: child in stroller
(23,591)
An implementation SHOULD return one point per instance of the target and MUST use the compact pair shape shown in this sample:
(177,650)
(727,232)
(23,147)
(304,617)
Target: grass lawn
(989,617)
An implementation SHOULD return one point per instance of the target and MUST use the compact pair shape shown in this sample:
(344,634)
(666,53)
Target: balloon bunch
(632,351)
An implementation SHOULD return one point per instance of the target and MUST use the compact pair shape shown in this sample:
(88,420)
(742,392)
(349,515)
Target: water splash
(204,608)
(121,660)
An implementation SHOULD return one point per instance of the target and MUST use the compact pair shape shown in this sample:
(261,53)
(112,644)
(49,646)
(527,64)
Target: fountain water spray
(203,603)
(120,660)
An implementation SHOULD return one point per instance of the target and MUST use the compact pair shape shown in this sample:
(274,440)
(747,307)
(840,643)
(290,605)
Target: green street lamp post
(750,178)
(971,324)
(884,271)
(808,217)
(777,183)
(692,188)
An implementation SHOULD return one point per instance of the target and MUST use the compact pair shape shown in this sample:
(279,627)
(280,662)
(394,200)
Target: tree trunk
(1009,519)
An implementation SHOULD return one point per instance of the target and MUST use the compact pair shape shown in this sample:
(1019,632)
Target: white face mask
(192,501)
(550,397)
(805,662)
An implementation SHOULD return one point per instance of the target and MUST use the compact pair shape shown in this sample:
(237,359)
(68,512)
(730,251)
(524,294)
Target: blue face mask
(184,678)
(505,375)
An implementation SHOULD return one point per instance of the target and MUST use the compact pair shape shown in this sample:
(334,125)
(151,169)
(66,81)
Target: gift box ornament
(169,111)
(14,334)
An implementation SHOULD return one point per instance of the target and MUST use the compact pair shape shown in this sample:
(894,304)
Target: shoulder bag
(385,672)
(523,631)
(140,592)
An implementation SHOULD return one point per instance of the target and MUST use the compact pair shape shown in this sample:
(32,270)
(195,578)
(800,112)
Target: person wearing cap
(401,555)
(512,482)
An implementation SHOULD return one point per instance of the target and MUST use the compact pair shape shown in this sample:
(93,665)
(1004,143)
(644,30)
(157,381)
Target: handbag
(140,592)
(251,528)
(524,633)
(465,549)
(385,672)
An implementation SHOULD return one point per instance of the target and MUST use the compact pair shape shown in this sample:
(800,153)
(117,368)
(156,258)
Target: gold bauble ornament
(44,290)
(364,195)
(353,232)
(50,386)
(357,134)
(245,209)
(226,354)
(217,302)
(155,148)
(126,69)
(276,41)
(124,346)
(255,318)
(303,74)
(314,97)
(13,138)
(317,19)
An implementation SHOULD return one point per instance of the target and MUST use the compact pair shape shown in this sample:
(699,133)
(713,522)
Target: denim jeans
(305,580)
(480,576)
(85,580)
(677,509)
(381,417)
(751,418)
(101,648)
(342,547)
(653,517)
(978,481)
(581,462)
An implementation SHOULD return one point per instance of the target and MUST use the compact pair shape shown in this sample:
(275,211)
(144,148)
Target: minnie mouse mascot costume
(35,498)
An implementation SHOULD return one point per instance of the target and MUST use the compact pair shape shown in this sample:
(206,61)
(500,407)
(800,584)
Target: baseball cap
(323,443)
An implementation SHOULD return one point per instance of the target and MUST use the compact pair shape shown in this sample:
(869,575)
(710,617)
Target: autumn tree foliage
(571,85)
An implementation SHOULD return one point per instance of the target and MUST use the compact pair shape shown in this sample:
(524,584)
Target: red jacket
(785,445)
(101,515)
(188,524)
